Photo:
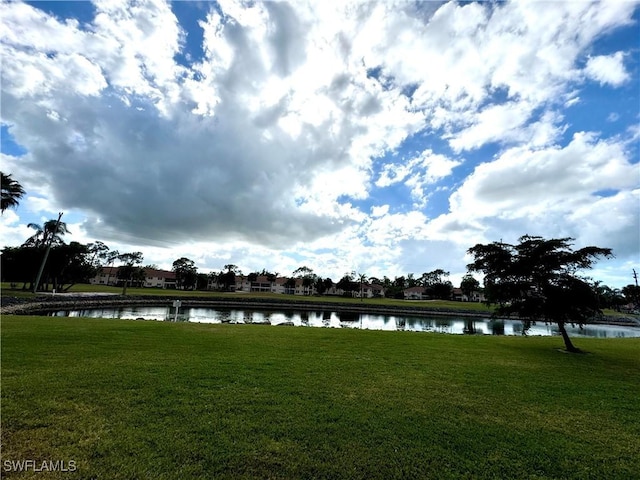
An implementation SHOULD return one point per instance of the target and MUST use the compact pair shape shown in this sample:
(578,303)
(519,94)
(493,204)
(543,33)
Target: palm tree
(363,278)
(228,279)
(45,233)
(12,191)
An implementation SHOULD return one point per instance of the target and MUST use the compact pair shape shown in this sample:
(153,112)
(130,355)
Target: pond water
(332,319)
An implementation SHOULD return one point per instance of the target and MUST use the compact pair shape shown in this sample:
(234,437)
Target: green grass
(613,313)
(127,399)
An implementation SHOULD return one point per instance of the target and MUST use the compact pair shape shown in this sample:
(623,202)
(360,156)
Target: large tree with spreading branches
(538,280)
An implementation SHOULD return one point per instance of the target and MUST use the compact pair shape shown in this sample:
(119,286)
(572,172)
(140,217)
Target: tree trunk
(567,341)
(124,287)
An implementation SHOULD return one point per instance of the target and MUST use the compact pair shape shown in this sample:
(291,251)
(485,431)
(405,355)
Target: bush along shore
(43,304)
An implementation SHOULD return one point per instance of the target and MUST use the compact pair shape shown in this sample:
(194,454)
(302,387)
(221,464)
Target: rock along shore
(49,303)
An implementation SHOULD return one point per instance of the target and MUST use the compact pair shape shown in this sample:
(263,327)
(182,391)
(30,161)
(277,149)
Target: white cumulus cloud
(607,69)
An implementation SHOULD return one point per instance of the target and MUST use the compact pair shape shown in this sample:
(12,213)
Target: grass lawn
(142,399)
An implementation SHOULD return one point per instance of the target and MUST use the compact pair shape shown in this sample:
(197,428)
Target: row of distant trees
(434,284)
(66,264)
(73,263)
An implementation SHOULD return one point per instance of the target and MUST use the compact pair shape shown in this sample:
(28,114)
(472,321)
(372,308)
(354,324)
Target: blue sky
(372,137)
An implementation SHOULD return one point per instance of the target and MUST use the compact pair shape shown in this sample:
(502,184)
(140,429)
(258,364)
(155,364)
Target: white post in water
(176,304)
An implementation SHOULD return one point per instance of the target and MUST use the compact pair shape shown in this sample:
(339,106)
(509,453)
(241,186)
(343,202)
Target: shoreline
(46,304)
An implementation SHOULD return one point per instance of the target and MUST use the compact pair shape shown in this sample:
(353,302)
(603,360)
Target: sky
(384,138)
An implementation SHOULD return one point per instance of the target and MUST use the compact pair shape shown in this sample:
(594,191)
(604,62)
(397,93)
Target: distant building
(369,290)
(458,296)
(278,286)
(476,296)
(106,276)
(414,293)
(262,284)
(159,278)
(153,278)
(242,284)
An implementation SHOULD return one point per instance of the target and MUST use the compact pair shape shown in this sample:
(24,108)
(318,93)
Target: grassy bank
(432,304)
(127,399)
(479,308)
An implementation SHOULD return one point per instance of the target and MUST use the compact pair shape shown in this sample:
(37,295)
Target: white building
(153,278)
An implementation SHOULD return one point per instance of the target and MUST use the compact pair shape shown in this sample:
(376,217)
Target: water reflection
(443,326)
(332,319)
(496,327)
(469,326)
